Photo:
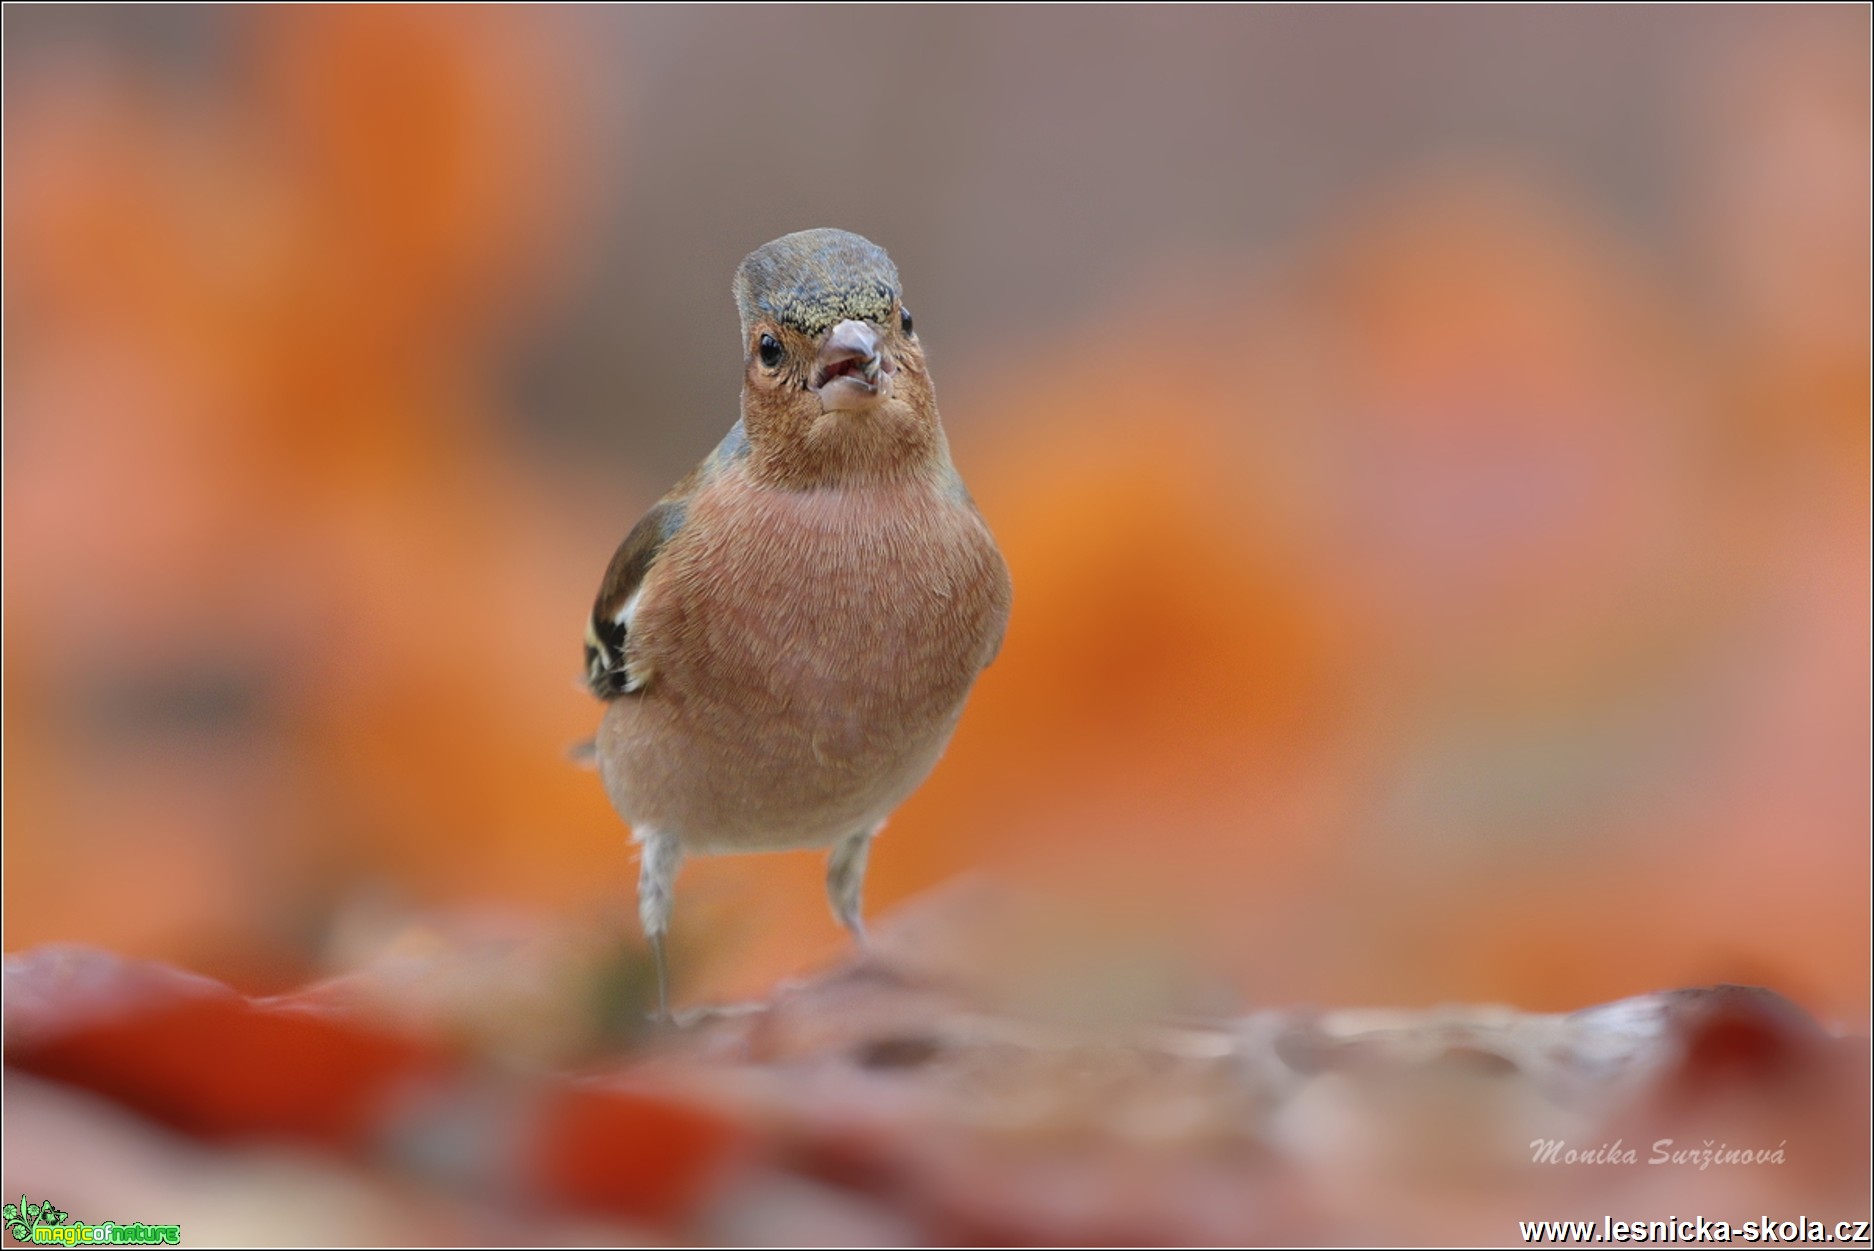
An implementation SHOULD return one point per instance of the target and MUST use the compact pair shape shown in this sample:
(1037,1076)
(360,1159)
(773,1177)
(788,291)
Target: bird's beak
(853,370)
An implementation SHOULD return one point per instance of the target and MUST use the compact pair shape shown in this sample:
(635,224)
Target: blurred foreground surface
(975,1080)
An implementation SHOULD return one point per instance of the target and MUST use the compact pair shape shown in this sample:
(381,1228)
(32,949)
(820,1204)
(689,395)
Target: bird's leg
(658,863)
(845,878)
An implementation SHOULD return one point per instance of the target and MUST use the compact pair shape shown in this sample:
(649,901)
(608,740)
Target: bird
(784,642)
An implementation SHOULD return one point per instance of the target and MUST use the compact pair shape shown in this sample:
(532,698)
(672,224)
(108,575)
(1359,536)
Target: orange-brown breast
(808,654)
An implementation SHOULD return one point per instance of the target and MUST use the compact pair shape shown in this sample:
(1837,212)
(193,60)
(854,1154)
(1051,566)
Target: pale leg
(845,878)
(658,861)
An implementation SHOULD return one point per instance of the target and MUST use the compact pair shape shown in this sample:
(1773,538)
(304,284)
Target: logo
(24,1218)
(44,1223)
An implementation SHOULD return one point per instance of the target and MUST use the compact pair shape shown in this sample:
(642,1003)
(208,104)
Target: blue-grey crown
(814,279)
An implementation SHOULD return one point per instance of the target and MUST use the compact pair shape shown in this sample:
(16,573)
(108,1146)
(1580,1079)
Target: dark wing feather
(607,674)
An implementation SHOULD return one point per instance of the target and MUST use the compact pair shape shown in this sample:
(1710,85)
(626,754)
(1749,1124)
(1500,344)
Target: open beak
(852,370)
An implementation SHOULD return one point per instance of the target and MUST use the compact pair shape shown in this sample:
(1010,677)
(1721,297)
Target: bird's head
(834,383)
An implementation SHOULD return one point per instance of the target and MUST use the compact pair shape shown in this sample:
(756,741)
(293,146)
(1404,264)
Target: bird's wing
(607,673)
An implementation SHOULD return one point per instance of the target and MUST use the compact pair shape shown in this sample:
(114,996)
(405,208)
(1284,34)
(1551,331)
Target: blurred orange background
(1431,447)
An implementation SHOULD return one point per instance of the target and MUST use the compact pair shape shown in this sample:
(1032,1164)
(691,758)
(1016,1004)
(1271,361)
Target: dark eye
(770,351)
(904,319)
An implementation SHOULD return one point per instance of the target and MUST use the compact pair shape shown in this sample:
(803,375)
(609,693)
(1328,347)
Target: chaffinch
(785,641)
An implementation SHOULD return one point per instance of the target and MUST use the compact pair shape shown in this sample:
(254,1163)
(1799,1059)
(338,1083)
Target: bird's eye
(904,319)
(770,351)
